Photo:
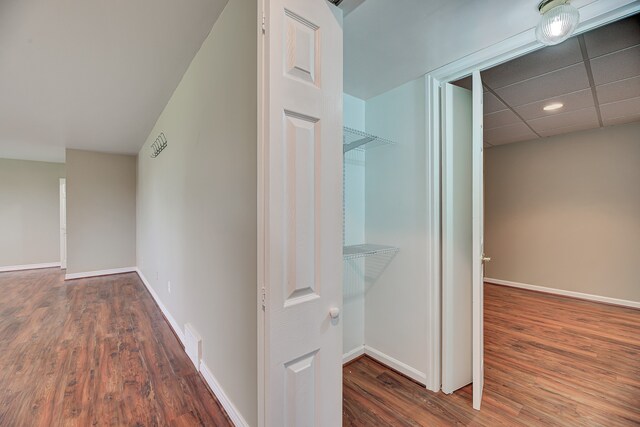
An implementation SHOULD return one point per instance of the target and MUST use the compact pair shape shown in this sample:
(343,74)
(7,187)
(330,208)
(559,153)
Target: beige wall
(197,204)
(101,211)
(564,212)
(29,212)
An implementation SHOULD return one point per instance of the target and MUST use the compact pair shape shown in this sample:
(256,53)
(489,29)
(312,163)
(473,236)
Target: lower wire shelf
(367,249)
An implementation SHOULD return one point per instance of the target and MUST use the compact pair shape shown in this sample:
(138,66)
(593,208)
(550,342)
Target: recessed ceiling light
(553,107)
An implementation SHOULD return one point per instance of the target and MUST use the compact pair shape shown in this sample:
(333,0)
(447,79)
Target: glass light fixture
(559,21)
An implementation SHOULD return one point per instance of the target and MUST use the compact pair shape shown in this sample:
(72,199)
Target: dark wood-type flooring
(93,352)
(549,361)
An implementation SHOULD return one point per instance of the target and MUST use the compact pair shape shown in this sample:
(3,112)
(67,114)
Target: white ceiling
(596,76)
(92,74)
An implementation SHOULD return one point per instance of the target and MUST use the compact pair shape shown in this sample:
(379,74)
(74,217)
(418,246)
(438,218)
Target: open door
(301,213)
(462,240)
(478,258)
(457,306)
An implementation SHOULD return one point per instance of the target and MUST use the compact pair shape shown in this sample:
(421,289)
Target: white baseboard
(350,355)
(232,411)
(217,390)
(403,368)
(97,273)
(579,295)
(29,266)
(163,308)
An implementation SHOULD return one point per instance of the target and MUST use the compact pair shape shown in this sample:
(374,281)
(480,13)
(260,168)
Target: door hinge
(263,297)
(264,23)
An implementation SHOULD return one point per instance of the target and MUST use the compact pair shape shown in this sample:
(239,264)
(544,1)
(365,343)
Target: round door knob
(334,312)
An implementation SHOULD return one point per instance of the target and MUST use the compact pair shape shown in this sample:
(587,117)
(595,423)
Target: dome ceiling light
(559,21)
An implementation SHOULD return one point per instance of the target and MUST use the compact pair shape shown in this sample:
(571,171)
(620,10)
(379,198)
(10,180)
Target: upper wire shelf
(355,139)
(367,249)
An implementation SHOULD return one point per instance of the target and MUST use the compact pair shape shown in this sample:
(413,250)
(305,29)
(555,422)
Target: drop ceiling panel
(535,64)
(559,82)
(492,104)
(619,90)
(510,133)
(610,38)
(572,118)
(572,101)
(568,129)
(500,118)
(622,120)
(616,66)
(525,85)
(621,108)
(465,83)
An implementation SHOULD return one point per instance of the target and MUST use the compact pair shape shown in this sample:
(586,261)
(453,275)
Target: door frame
(63,223)
(592,15)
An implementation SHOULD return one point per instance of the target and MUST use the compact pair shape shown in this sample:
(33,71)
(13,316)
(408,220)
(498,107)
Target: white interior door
(302,198)
(478,242)
(463,240)
(63,223)
(457,251)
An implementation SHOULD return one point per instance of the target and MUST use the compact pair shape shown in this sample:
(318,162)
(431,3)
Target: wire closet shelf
(359,251)
(353,139)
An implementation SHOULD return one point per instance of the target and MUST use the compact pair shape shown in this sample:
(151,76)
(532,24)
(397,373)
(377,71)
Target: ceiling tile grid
(595,76)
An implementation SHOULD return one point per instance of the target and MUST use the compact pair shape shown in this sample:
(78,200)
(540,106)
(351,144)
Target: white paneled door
(463,240)
(478,257)
(301,170)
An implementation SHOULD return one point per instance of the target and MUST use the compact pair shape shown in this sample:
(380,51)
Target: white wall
(101,211)
(29,212)
(564,212)
(395,214)
(197,204)
(354,194)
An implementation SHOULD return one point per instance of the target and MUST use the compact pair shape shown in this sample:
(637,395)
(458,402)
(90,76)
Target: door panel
(302,165)
(456,241)
(478,242)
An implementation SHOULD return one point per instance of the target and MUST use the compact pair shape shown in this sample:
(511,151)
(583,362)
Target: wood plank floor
(549,360)
(93,352)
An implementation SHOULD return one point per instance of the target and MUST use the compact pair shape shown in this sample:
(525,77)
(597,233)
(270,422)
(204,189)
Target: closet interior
(385,241)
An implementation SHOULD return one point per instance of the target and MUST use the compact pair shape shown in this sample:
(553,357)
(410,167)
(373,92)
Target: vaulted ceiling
(92,74)
(595,76)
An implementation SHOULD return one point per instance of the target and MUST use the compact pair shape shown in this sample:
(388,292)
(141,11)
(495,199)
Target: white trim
(29,266)
(63,223)
(163,308)
(433,262)
(84,274)
(399,366)
(232,411)
(554,291)
(353,354)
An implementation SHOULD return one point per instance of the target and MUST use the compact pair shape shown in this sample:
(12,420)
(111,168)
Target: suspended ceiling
(93,75)
(596,76)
